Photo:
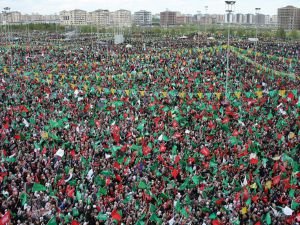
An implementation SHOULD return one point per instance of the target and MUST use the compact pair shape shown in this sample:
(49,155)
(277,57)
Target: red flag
(220,201)
(211,125)
(5,219)
(235,133)
(116,165)
(118,177)
(225,120)
(44,150)
(23,109)
(115,131)
(75,222)
(205,151)
(255,198)
(191,160)
(216,222)
(177,159)
(97,122)
(177,135)
(290,95)
(17,137)
(162,148)
(70,191)
(72,153)
(175,173)
(245,194)
(115,215)
(174,124)
(253,161)
(276,180)
(146,150)
(107,181)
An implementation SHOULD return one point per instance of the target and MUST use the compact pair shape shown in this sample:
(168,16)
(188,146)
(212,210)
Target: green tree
(281,33)
(294,35)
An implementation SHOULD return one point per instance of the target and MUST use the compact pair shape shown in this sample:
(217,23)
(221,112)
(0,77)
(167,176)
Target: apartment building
(289,17)
(120,18)
(142,18)
(73,17)
(168,18)
(99,17)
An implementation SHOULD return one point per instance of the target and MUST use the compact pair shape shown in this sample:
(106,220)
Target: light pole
(198,19)
(256,23)
(229,9)
(6,10)
(206,8)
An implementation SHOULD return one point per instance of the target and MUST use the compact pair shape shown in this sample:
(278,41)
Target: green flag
(75,212)
(38,187)
(23,198)
(196,179)
(295,205)
(155,218)
(142,185)
(102,216)
(52,221)
(268,219)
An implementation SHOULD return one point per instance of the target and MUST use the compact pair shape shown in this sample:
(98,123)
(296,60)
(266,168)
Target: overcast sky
(155,6)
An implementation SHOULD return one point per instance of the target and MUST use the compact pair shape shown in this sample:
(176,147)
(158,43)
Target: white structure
(73,17)
(143,18)
(121,18)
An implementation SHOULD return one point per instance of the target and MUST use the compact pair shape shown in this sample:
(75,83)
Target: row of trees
(237,31)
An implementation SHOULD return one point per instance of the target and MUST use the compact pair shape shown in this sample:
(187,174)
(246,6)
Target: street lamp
(198,19)
(6,11)
(206,8)
(256,23)
(229,9)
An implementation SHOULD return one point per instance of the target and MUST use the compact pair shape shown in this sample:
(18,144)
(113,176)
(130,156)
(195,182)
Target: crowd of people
(158,135)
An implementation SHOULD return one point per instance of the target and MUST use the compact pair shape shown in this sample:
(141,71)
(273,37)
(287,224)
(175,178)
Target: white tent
(183,37)
(253,39)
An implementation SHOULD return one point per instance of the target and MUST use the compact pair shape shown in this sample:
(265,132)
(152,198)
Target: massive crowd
(127,135)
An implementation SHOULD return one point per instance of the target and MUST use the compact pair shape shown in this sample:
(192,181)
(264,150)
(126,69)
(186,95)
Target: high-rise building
(99,17)
(142,18)
(13,17)
(274,20)
(121,18)
(260,19)
(168,18)
(230,18)
(73,17)
(267,20)
(289,17)
(250,19)
(239,18)
(184,19)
